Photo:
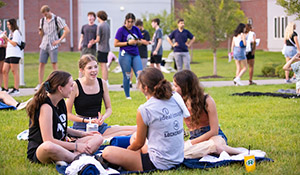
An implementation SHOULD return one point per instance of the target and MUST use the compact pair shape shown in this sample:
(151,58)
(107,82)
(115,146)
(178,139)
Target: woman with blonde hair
(292,46)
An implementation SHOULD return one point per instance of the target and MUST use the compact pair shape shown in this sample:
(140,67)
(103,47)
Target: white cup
(91,127)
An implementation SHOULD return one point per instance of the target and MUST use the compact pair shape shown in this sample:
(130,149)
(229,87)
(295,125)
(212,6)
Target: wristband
(82,120)
(127,43)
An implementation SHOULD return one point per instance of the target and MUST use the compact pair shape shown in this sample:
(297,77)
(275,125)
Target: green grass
(202,65)
(270,124)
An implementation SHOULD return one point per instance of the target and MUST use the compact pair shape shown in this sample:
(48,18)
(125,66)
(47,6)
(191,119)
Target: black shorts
(155,59)
(250,56)
(34,159)
(102,57)
(2,53)
(146,162)
(12,60)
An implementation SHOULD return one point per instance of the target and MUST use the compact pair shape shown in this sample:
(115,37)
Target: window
(280,24)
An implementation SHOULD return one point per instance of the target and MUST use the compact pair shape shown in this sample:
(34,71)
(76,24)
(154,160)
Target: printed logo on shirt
(166,114)
(61,125)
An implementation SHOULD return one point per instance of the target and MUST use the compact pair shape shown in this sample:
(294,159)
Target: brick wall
(32,16)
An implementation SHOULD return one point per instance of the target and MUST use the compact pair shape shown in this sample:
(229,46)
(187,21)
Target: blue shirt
(124,36)
(181,38)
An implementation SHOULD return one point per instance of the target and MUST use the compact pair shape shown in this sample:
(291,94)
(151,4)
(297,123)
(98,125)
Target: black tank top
(88,105)
(59,126)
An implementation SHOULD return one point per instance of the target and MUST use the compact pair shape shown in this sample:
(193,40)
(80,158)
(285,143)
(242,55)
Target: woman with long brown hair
(49,124)
(203,123)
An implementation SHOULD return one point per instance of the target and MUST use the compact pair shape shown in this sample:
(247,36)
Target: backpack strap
(43,23)
(55,19)
(204,105)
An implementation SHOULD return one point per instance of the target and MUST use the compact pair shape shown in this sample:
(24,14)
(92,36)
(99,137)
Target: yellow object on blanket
(249,161)
(198,150)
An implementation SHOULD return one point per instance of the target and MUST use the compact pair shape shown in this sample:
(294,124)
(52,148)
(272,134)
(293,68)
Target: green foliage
(167,22)
(292,7)
(2,4)
(212,21)
(269,70)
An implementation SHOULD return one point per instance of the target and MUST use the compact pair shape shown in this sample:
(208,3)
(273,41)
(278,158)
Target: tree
(167,22)
(212,21)
(292,7)
(2,4)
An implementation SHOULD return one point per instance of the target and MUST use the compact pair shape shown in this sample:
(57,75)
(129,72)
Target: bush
(268,70)
(281,73)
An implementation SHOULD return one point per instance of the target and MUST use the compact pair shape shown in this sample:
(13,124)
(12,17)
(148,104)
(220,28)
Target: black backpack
(59,32)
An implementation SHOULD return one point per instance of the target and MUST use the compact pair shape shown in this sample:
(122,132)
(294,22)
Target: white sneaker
(14,92)
(128,98)
(238,82)
(23,104)
(37,87)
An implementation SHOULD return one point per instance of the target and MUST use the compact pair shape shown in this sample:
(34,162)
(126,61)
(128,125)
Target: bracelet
(75,147)
(82,120)
(127,43)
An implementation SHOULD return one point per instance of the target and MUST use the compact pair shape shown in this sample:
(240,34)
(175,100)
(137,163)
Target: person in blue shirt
(183,40)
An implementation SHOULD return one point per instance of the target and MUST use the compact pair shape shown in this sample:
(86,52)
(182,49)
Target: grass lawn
(267,123)
(202,65)
(270,124)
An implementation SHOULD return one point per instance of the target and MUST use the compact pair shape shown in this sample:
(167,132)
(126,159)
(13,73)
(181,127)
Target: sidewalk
(117,87)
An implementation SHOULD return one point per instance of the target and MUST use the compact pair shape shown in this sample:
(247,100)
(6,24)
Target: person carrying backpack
(49,29)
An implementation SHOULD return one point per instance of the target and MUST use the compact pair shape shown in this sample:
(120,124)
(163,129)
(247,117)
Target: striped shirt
(50,31)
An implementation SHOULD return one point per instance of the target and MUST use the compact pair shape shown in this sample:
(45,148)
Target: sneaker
(3,89)
(130,85)
(23,105)
(238,81)
(128,98)
(14,92)
(37,87)
(252,83)
(288,81)
(293,79)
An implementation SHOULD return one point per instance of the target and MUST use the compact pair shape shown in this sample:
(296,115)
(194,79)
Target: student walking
(157,50)
(183,40)
(88,34)
(250,51)
(49,27)
(143,50)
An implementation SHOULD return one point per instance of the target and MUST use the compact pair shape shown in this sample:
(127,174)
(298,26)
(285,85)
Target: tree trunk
(215,61)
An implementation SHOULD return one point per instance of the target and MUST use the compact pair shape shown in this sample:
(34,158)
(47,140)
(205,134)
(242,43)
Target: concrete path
(30,91)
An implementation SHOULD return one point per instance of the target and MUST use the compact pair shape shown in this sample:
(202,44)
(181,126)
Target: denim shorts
(290,51)
(82,126)
(44,54)
(199,132)
(239,53)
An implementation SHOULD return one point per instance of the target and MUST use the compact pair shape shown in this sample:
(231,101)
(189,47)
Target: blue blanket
(5,106)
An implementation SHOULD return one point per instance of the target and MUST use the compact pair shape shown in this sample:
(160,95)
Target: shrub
(268,70)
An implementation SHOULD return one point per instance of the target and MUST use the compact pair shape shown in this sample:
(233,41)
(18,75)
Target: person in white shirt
(13,56)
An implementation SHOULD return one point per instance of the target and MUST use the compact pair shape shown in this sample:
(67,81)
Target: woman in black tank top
(87,99)
(49,124)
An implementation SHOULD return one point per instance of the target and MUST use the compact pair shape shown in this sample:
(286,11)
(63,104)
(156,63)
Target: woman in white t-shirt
(250,51)
(13,56)
(2,54)
(160,120)
(238,48)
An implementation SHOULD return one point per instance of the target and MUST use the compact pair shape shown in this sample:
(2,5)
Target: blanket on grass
(208,161)
(248,93)
(5,106)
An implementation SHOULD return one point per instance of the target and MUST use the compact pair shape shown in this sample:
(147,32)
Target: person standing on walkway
(50,25)
(292,46)
(250,51)
(103,36)
(157,50)
(88,34)
(3,45)
(238,48)
(128,37)
(13,56)
(145,41)
(183,40)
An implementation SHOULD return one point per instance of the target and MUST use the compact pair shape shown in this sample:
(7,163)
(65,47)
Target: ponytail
(55,79)
(163,90)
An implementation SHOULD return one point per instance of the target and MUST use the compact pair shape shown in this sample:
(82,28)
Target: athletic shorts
(155,59)
(82,126)
(147,163)
(12,60)
(34,159)
(102,57)
(44,54)
(198,132)
(86,50)
(2,53)
(249,56)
